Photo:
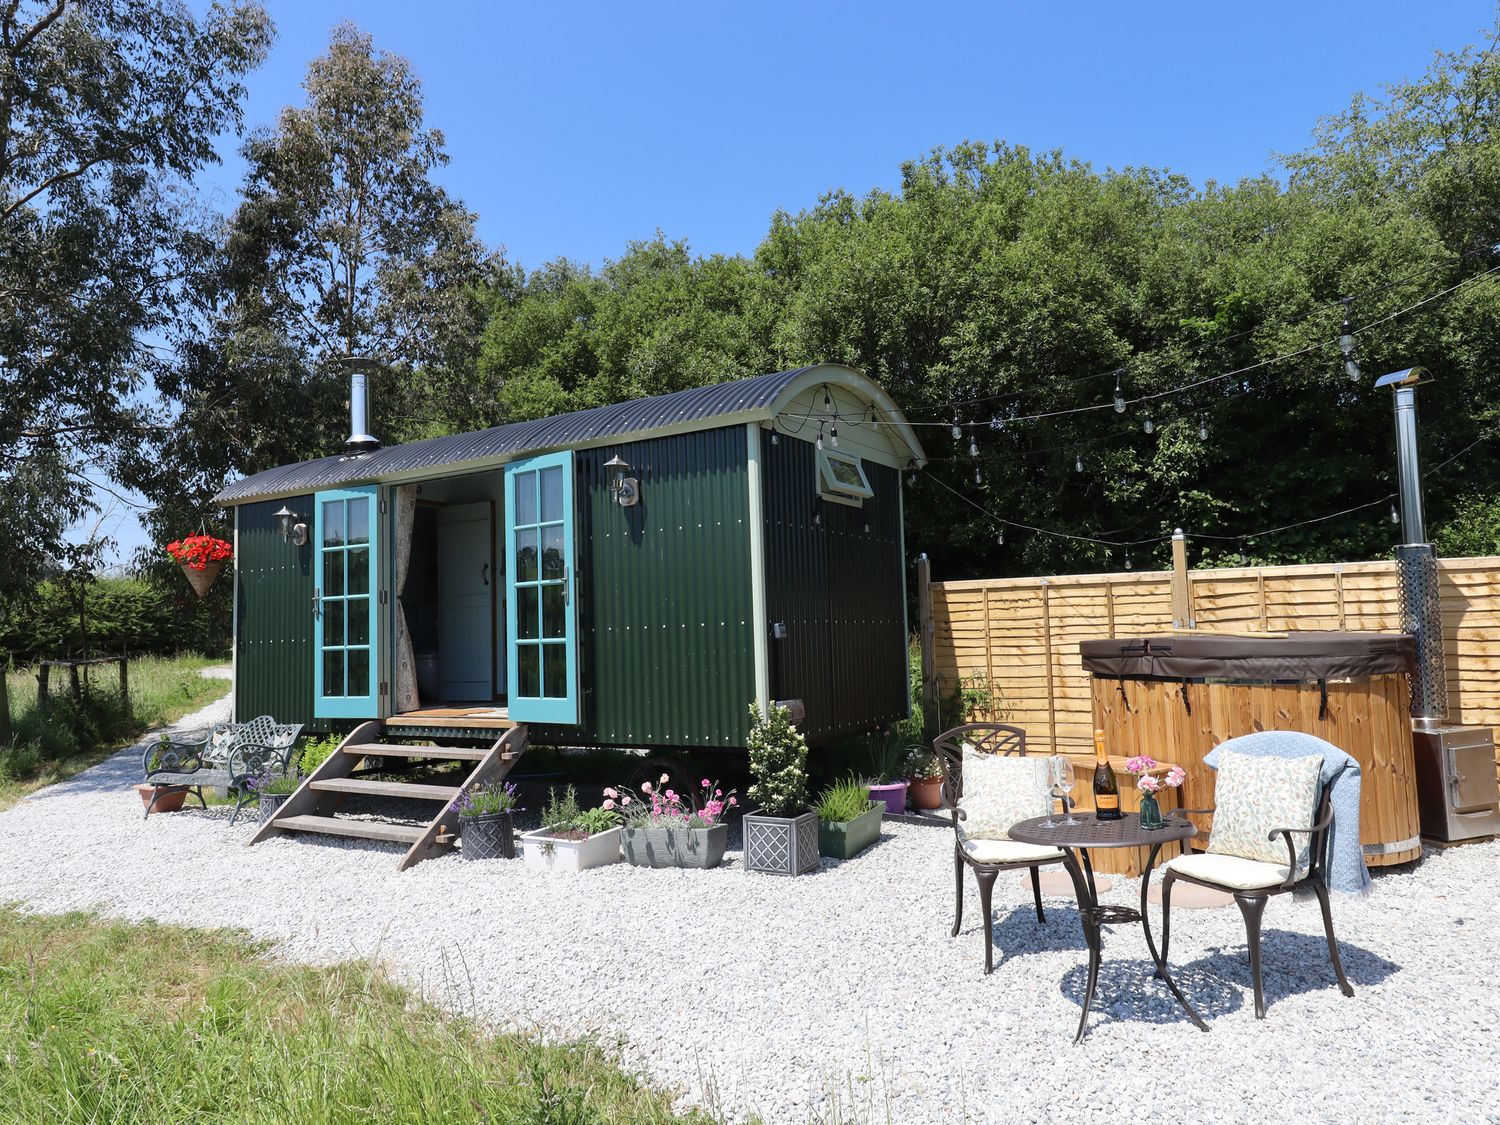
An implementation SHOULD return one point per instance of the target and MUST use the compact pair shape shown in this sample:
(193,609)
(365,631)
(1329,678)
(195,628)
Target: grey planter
(781,845)
(269,803)
(491,836)
(675,847)
(845,839)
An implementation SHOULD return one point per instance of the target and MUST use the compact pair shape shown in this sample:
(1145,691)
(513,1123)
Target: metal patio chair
(227,756)
(986,858)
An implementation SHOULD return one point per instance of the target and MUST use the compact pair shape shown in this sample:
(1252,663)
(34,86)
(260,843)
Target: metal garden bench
(228,755)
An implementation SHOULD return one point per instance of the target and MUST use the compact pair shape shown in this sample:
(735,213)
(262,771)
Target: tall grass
(108,1022)
(55,739)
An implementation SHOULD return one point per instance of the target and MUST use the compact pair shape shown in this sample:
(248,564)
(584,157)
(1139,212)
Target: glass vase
(1150,811)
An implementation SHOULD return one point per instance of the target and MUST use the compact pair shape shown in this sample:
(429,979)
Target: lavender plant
(487,800)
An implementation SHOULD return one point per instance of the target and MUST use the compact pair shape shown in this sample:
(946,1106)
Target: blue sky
(574,128)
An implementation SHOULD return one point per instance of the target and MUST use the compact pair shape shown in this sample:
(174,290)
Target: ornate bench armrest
(248,760)
(174,755)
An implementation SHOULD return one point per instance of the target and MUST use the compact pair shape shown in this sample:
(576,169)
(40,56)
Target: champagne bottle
(1106,787)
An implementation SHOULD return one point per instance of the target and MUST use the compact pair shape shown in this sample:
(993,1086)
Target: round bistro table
(1075,840)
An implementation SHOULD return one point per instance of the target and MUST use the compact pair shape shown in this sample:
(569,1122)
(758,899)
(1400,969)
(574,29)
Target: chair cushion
(999,792)
(1254,794)
(1007,851)
(1230,871)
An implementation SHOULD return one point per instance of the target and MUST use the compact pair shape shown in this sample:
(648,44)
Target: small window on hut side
(842,478)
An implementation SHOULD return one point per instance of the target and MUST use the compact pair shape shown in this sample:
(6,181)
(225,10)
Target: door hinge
(384,687)
(382,507)
(385,596)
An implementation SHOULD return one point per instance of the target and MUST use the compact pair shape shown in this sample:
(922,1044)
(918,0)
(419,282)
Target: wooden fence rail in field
(1020,635)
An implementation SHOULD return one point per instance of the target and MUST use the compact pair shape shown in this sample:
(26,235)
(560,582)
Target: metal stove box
(1458,796)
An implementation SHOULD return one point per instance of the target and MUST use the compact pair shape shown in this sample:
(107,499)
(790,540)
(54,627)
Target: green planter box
(846,839)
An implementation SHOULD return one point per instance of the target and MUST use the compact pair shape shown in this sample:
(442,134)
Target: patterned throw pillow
(999,792)
(1253,795)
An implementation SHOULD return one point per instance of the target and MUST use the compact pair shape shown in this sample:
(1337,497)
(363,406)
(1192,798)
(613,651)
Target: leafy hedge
(120,614)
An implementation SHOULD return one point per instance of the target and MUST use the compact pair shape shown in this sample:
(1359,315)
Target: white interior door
(466,585)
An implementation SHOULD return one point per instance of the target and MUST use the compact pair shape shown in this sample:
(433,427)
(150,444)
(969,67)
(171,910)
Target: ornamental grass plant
(843,801)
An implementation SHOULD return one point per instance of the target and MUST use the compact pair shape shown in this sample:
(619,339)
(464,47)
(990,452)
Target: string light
(775,438)
(1000,539)
(958,431)
(1127,560)
(1346,344)
(1395,514)
(827,401)
(820,438)
(1148,425)
(977,478)
(1202,428)
(973,447)
(1244,558)
(833,437)
(1119,394)
(1077,462)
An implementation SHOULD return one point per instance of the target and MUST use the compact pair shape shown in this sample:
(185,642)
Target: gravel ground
(840,995)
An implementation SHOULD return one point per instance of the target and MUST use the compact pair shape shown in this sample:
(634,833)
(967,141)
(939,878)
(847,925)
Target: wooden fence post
(42,669)
(125,683)
(1182,591)
(5,729)
(925,629)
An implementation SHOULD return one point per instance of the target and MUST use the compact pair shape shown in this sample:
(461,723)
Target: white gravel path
(840,996)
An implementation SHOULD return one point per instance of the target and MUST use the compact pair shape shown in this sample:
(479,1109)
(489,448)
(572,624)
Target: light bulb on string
(1346,346)
(775,438)
(1119,395)
(1244,558)
(1148,425)
(911,477)
(820,439)
(1202,429)
(957,430)
(1395,514)
(827,402)
(977,478)
(973,447)
(1000,539)
(1078,462)
(1127,560)
(833,437)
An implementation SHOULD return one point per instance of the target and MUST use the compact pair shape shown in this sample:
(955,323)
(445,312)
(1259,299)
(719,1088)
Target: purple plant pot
(892,795)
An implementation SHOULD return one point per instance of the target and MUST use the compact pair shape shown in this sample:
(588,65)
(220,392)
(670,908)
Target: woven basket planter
(675,847)
(491,836)
(201,580)
(780,845)
(269,804)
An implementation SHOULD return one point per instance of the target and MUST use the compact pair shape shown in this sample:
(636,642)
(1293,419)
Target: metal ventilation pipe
(1416,561)
(360,440)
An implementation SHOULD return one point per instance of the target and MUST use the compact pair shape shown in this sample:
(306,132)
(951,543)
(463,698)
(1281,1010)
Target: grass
(109,1022)
(55,741)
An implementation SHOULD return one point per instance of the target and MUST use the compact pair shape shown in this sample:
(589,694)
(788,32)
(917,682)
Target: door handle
(484,574)
(317,602)
(567,585)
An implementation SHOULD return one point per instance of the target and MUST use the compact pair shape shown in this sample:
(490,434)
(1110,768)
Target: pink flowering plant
(1146,781)
(660,806)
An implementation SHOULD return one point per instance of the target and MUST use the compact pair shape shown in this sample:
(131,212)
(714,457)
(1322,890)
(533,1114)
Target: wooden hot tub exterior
(1177,697)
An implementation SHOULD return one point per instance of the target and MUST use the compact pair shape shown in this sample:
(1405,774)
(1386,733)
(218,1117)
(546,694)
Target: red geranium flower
(197,551)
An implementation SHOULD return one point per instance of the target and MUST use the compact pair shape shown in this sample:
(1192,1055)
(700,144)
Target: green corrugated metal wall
(273,595)
(840,589)
(665,631)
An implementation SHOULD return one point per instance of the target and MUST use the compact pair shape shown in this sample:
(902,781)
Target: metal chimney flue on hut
(360,439)
(1416,561)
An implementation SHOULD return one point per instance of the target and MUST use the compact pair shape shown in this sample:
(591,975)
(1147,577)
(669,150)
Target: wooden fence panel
(1021,635)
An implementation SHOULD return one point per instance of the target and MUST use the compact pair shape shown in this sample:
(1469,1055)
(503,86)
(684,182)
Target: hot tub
(1176,697)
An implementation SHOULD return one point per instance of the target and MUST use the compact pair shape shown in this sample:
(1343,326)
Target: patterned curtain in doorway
(407,698)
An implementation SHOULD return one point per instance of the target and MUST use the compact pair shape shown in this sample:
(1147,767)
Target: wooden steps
(342,826)
(414,790)
(436,753)
(314,807)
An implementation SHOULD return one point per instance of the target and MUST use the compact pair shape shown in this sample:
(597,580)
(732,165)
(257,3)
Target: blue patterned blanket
(1345,870)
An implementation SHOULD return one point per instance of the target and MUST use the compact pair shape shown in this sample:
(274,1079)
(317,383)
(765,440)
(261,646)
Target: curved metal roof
(716,404)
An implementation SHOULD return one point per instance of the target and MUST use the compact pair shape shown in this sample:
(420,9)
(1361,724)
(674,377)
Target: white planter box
(543,851)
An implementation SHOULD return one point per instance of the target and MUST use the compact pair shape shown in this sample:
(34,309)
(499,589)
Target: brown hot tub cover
(1217,656)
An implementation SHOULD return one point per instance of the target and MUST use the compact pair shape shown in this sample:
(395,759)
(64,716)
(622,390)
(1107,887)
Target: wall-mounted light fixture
(292,529)
(623,488)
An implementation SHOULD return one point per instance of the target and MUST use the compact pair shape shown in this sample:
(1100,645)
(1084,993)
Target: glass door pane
(345,634)
(540,624)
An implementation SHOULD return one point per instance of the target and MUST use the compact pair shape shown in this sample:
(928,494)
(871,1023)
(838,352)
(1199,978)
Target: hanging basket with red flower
(201,558)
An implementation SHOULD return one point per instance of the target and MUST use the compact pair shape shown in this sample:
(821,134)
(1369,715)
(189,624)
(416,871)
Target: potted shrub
(848,821)
(485,821)
(665,829)
(888,757)
(781,835)
(924,776)
(572,838)
(273,789)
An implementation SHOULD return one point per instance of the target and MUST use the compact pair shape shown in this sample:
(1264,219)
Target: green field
(54,742)
(111,1022)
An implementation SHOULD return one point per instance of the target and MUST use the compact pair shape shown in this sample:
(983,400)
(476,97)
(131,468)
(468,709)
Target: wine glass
(1064,777)
(1049,787)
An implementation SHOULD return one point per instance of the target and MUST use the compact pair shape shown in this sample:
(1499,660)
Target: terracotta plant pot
(170,801)
(926,792)
(201,580)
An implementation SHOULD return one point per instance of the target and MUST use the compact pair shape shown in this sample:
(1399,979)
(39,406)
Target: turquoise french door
(345,628)
(542,672)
